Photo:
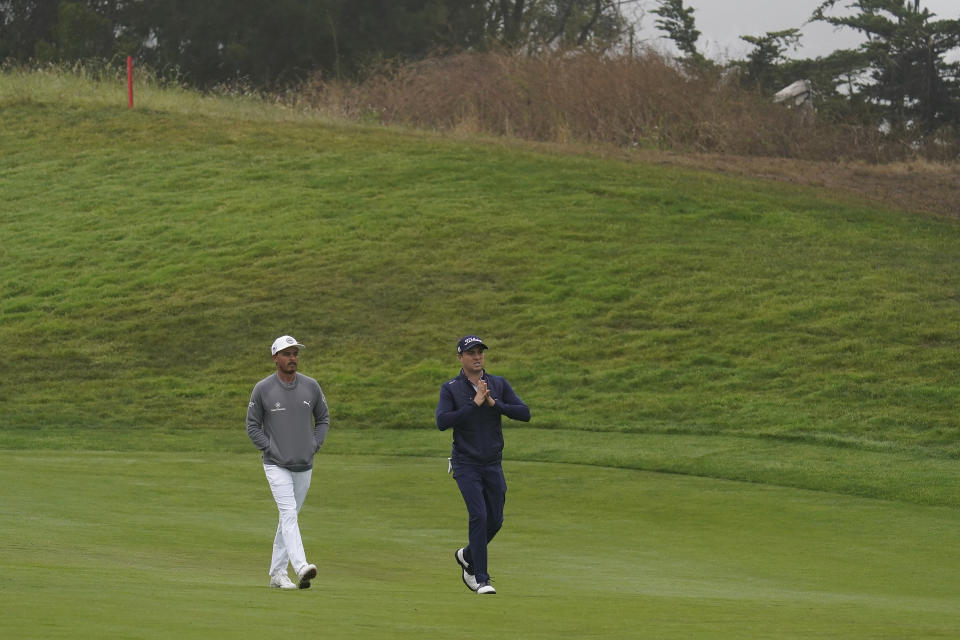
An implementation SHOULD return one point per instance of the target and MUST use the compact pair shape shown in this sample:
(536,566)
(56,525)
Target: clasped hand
(483,396)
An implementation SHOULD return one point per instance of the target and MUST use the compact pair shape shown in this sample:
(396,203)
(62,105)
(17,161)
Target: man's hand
(483,394)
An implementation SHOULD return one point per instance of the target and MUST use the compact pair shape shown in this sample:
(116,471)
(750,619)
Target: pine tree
(908,77)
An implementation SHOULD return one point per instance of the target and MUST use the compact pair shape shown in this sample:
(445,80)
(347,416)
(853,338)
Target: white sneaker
(281,581)
(461,560)
(305,575)
(468,578)
(486,587)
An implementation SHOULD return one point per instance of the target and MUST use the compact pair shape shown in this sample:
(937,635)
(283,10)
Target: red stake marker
(130,82)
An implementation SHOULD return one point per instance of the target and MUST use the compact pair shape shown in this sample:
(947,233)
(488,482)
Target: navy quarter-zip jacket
(477,431)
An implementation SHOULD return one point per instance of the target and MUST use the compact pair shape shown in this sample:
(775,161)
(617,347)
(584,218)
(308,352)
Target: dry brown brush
(642,101)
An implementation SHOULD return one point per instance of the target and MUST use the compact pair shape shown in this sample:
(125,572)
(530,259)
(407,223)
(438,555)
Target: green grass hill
(150,256)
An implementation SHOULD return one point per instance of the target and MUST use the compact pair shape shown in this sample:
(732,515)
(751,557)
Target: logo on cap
(468,342)
(282,343)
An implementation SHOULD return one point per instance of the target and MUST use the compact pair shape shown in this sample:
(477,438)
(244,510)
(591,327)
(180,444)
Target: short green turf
(151,545)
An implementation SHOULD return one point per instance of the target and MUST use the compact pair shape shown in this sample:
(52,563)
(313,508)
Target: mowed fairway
(150,545)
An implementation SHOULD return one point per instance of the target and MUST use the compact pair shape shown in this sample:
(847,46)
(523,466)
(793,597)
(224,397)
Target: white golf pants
(289,490)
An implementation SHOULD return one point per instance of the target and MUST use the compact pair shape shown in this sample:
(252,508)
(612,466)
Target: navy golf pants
(484,491)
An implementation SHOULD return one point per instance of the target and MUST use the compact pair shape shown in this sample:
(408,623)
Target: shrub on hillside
(644,101)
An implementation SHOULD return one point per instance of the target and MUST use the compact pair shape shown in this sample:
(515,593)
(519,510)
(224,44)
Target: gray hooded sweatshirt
(288,422)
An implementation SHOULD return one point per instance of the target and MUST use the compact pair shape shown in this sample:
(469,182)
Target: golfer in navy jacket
(472,404)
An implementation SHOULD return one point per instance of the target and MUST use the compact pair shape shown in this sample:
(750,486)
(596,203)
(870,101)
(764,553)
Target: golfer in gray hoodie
(287,419)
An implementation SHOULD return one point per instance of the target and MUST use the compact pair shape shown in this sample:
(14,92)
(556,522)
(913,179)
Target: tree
(763,68)
(23,24)
(48,30)
(533,24)
(908,76)
(274,43)
(679,24)
(578,23)
(82,33)
(833,79)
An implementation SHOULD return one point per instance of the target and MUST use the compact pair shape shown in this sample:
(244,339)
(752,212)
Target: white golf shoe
(485,588)
(305,575)
(468,578)
(281,581)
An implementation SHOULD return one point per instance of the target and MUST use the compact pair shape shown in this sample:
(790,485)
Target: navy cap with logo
(470,342)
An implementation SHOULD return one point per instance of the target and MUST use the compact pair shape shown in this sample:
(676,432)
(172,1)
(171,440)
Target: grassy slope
(149,257)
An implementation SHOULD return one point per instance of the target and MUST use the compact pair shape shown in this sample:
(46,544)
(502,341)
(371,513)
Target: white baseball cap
(284,342)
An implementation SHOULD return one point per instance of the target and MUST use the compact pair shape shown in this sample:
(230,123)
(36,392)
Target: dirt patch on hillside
(916,187)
